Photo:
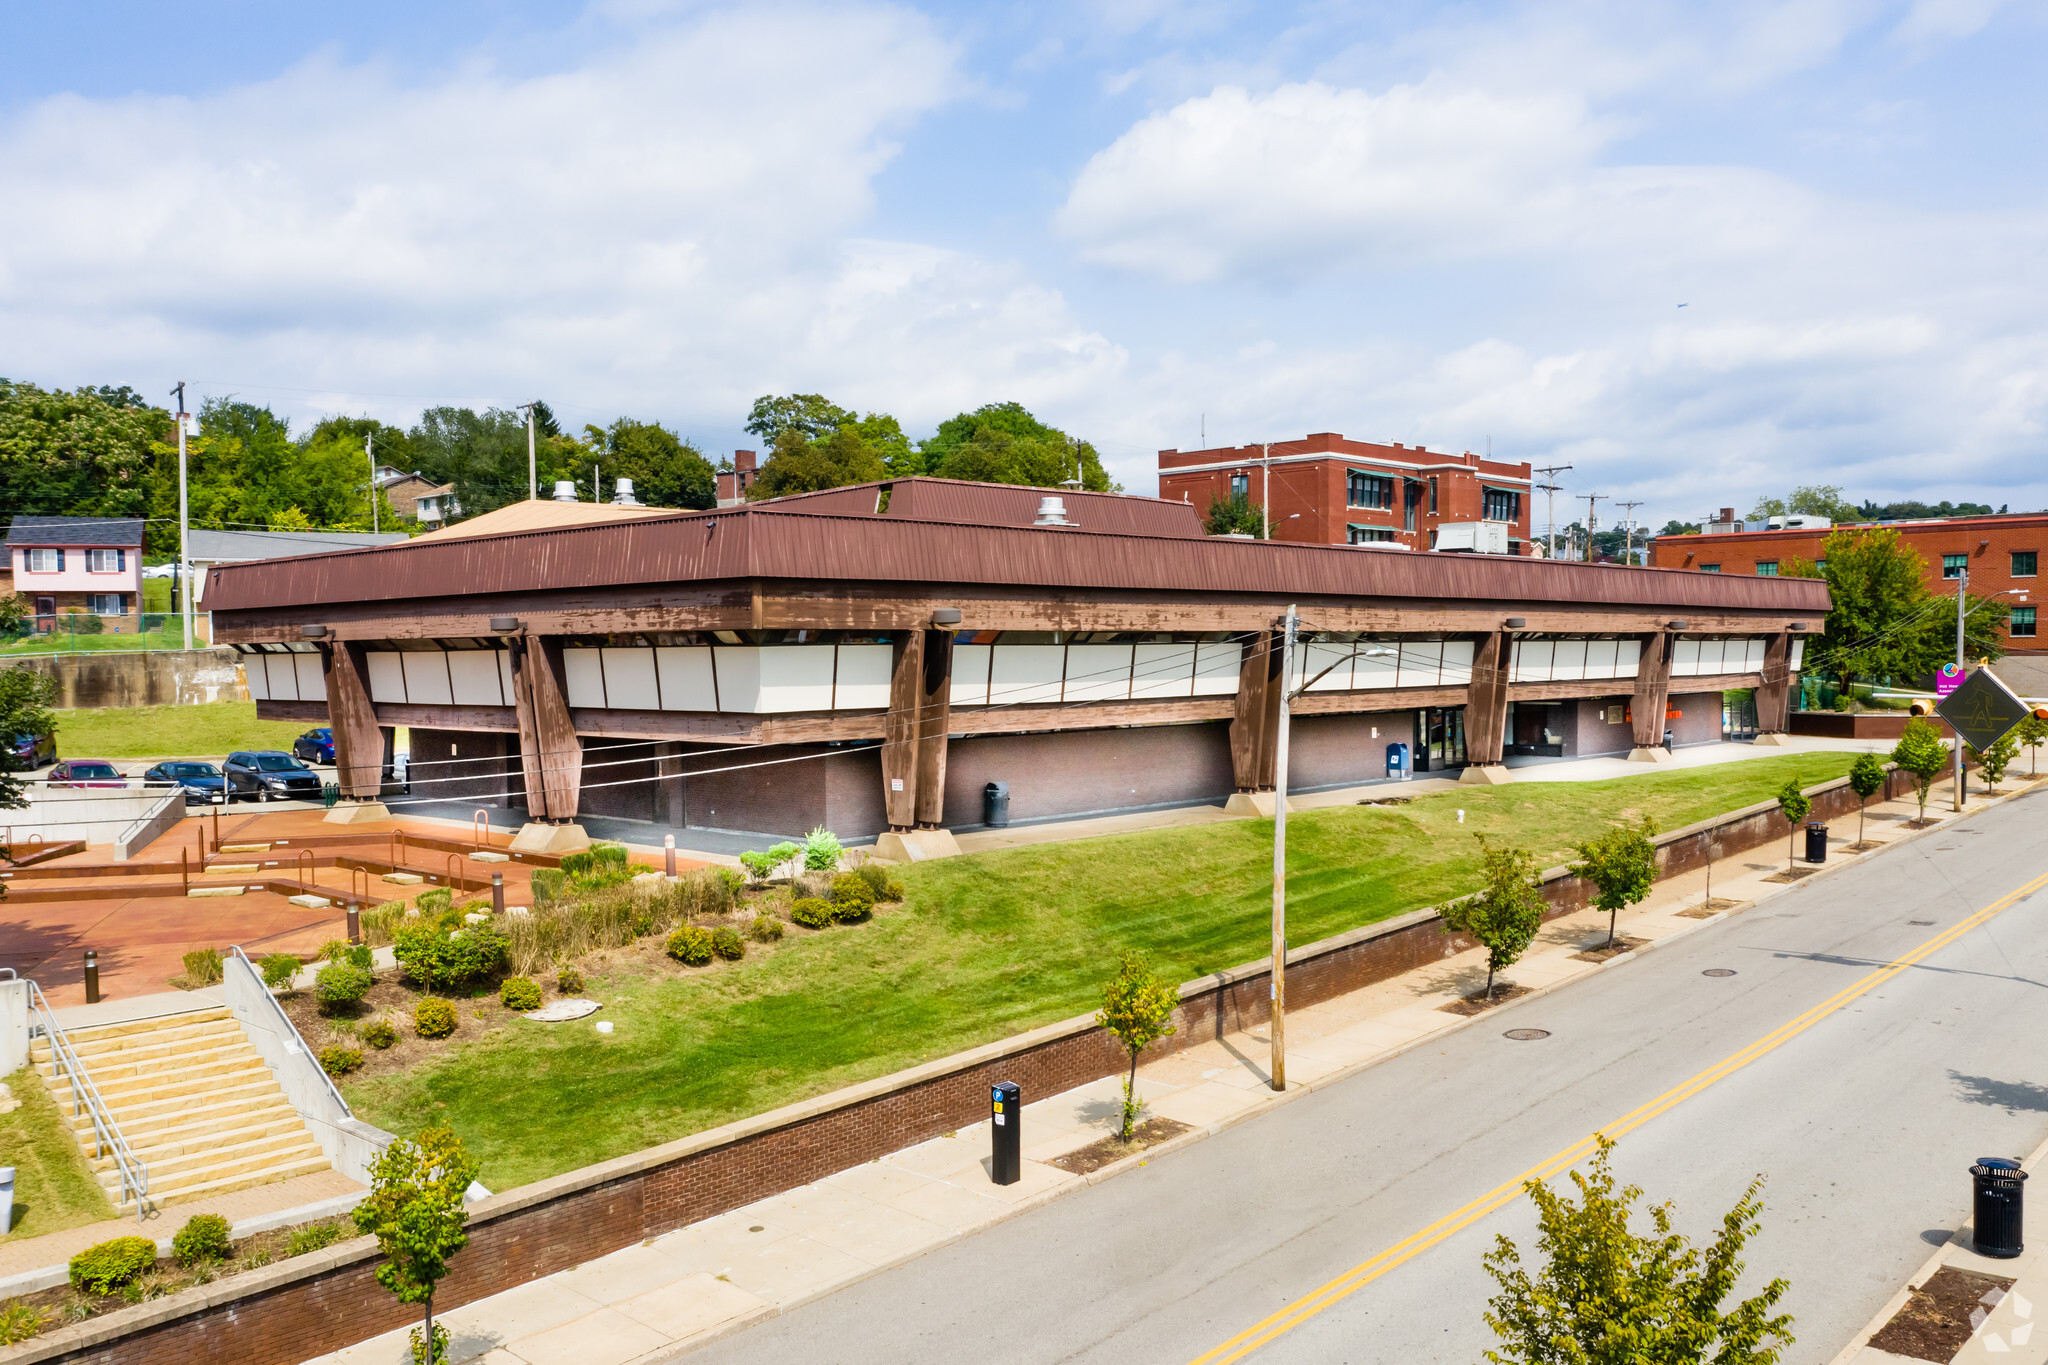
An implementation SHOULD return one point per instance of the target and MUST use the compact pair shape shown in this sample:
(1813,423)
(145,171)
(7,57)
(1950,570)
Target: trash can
(1397,762)
(995,805)
(1996,1209)
(1816,842)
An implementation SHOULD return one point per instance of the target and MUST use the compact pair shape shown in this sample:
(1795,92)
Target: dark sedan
(34,751)
(315,746)
(270,775)
(202,781)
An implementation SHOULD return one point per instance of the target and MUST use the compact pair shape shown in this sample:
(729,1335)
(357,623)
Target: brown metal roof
(769,542)
(921,498)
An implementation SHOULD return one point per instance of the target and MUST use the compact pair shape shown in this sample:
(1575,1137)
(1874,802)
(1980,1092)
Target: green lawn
(215,727)
(53,1187)
(985,947)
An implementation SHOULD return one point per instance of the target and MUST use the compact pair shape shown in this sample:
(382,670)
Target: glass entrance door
(1439,738)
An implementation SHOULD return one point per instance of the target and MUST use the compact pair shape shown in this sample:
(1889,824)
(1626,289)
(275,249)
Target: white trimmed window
(106,561)
(44,561)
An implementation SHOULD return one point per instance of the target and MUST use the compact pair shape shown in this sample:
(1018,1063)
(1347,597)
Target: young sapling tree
(415,1212)
(1921,753)
(1506,913)
(1796,806)
(1622,865)
(2032,733)
(1137,1009)
(1866,779)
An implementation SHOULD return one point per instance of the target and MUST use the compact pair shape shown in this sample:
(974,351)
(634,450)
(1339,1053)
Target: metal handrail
(293,1029)
(85,1097)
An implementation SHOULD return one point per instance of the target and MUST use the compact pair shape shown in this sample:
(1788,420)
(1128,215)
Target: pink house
(91,564)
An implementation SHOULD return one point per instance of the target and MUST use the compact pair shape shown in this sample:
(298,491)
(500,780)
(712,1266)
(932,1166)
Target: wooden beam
(899,732)
(358,743)
(1486,710)
(1773,697)
(550,750)
(934,697)
(312,712)
(484,719)
(1255,721)
(1653,684)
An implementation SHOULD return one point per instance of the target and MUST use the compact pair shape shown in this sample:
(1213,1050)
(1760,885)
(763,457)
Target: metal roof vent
(1052,511)
(565,490)
(624,497)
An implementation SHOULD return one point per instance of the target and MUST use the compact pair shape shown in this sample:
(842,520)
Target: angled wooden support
(1255,726)
(1486,700)
(550,750)
(1652,695)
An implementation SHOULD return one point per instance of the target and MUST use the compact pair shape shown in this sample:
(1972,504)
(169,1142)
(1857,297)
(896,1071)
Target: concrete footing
(348,812)
(536,836)
(1486,775)
(1657,755)
(917,845)
(1250,804)
(1773,740)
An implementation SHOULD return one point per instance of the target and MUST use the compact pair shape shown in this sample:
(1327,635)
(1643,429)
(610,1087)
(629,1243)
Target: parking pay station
(1006,1132)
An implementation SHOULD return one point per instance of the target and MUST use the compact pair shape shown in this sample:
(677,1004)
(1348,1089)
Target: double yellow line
(1356,1278)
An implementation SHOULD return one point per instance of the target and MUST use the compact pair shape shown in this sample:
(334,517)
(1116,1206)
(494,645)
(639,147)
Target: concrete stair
(195,1101)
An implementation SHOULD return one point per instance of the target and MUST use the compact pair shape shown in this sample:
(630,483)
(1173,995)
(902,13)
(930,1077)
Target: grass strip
(54,1188)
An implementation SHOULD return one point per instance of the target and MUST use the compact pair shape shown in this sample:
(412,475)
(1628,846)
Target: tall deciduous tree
(1622,866)
(810,415)
(666,470)
(1608,1295)
(1506,913)
(25,697)
(86,453)
(1137,1009)
(1237,515)
(1004,443)
(415,1211)
(1884,623)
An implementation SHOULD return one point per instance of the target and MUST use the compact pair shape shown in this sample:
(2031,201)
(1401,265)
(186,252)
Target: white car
(160,570)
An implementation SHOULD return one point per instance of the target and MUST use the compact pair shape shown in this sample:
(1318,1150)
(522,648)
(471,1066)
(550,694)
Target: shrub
(569,981)
(379,1034)
(340,984)
(877,878)
(641,922)
(433,1018)
(20,1322)
(784,852)
(520,993)
(441,958)
(758,864)
(203,1238)
(104,1268)
(811,912)
(549,883)
(892,892)
(1843,702)
(435,901)
(728,944)
(312,1237)
(821,850)
(339,1061)
(609,854)
(334,950)
(690,945)
(765,929)
(852,897)
(278,969)
(577,863)
(202,968)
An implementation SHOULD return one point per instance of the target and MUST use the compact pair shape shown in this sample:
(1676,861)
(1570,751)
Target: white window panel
(1628,658)
(970,675)
(684,673)
(1600,656)
(1798,654)
(387,676)
(1457,663)
(766,679)
(1218,664)
(1098,672)
(629,680)
(473,677)
(584,672)
(864,675)
(1711,653)
(426,679)
(1422,662)
(1685,658)
(1757,650)
(505,676)
(1020,674)
(1163,670)
(312,683)
(1568,661)
(1532,660)
(257,674)
(1379,664)
(284,679)
(1336,658)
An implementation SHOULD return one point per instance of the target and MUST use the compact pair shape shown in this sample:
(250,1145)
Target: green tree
(1622,866)
(25,697)
(2033,733)
(811,416)
(1507,911)
(1137,1010)
(1796,806)
(800,465)
(415,1211)
(1004,443)
(1866,779)
(484,455)
(1884,623)
(1234,515)
(666,470)
(86,453)
(1994,760)
(1920,751)
(1608,1295)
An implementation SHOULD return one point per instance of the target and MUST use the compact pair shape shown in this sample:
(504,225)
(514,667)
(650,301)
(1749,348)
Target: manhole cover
(757,1228)
(1718,971)
(1526,1035)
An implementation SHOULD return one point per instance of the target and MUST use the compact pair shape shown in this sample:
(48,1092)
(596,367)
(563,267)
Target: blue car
(315,746)
(202,781)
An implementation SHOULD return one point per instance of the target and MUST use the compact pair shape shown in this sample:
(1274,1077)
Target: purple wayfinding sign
(1947,679)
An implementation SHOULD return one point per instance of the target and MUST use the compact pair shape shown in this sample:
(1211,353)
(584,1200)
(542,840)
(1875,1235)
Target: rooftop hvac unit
(1473,537)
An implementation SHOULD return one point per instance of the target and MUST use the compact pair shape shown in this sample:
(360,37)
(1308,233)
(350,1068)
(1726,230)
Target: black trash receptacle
(1998,1206)
(1816,842)
(995,805)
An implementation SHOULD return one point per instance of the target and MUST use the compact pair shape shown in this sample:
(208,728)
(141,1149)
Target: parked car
(86,772)
(315,746)
(34,751)
(270,775)
(202,781)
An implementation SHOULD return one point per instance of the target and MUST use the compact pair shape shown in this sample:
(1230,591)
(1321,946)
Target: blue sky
(1449,225)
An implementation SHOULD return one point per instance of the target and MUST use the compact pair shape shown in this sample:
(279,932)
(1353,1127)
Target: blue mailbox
(1397,762)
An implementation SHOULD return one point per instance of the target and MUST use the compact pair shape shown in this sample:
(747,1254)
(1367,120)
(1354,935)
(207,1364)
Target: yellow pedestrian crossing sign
(1982,710)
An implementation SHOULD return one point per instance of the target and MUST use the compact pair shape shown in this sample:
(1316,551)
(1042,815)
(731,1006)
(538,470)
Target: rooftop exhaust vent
(565,490)
(1052,511)
(624,497)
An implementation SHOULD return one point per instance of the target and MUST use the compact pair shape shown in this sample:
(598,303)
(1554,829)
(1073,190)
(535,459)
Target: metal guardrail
(293,1030)
(85,1098)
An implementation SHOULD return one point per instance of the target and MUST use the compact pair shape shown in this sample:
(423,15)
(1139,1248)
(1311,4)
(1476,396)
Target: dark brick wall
(1591,734)
(1068,772)
(465,765)
(1700,721)
(607,762)
(1328,751)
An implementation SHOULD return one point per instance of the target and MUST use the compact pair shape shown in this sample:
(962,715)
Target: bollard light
(92,977)
(497,893)
(668,853)
(355,923)
(1006,1132)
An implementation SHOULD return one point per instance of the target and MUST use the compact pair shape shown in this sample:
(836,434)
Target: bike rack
(304,862)
(480,828)
(453,870)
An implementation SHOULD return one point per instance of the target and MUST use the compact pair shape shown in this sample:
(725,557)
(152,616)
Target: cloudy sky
(1699,252)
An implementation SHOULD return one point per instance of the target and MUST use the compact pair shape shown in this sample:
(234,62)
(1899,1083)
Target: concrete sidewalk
(647,1302)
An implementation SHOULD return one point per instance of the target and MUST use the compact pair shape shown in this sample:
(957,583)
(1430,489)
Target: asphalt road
(1863,1124)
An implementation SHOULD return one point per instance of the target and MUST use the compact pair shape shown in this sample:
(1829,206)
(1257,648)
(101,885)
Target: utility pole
(1266,492)
(1591,498)
(184,523)
(1628,541)
(1552,489)
(1962,580)
(367,437)
(532,470)
(1290,624)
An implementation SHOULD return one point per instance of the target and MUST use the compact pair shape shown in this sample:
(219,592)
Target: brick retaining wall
(320,1302)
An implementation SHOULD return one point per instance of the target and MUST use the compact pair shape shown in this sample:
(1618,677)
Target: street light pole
(532,470)
(184,524)
(372,458)
(1962,580)
(1289,626)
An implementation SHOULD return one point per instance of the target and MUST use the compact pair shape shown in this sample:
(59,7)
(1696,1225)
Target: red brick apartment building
(2002,554)
(1326,490)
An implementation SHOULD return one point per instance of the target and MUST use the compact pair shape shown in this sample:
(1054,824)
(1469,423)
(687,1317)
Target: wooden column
(1774,698)
(1653,690)
(550,750)
(900,732)
(934,701)
(358,745)
(1486,700)
(1254,730)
